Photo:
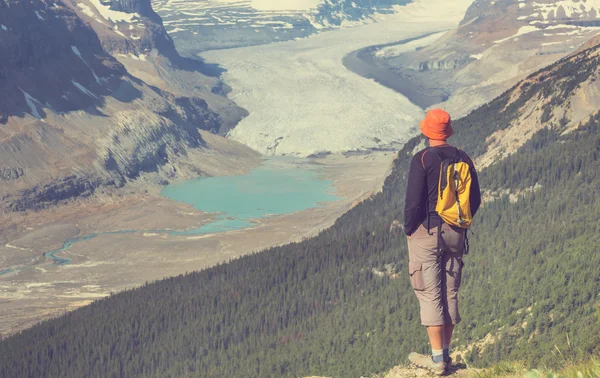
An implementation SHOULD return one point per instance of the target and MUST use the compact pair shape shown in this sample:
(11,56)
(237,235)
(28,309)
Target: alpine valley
(104,103)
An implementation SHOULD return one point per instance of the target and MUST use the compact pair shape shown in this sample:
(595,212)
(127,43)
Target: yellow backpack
(454,192)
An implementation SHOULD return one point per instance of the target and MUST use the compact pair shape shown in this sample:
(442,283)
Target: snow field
(189,14)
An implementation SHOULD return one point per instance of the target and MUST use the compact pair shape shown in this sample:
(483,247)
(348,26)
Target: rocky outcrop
(443,64)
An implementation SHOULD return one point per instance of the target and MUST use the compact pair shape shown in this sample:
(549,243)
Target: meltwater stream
(279,186)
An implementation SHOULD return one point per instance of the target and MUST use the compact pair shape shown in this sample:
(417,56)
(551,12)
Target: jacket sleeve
(475,191)
(416,195)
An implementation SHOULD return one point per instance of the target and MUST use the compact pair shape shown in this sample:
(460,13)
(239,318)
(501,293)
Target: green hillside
(340,304)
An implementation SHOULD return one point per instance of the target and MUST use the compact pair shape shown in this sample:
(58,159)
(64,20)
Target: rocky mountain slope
(566,102)
(74,119)
(134,34)
(340,304)
(215,24)
(497,44)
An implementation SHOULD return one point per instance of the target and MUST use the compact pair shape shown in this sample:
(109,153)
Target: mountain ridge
(497,44)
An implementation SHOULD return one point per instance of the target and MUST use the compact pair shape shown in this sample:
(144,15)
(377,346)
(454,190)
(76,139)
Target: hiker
(436,222)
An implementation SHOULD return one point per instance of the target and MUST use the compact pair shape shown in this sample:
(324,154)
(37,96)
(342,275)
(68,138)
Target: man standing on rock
(442,196)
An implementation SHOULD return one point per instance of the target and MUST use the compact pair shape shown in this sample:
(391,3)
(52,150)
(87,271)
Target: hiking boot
(448,363)
(426,362)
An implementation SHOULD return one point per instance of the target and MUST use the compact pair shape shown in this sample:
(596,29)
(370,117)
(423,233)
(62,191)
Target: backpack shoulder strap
(457,155)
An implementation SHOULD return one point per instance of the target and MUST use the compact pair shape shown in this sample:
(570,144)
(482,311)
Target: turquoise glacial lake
(279,186)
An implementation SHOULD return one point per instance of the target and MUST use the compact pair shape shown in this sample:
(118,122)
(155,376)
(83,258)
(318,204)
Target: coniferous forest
(340,304)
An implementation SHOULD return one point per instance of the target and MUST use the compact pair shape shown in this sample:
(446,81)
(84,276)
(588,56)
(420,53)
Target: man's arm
(475,191)
(415,198)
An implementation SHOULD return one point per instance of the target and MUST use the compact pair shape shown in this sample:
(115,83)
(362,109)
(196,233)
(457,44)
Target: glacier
(303,101)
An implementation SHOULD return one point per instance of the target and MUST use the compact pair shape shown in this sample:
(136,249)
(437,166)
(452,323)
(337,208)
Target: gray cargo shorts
(436,283)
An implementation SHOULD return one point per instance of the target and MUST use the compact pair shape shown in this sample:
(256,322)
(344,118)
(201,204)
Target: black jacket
(422,189)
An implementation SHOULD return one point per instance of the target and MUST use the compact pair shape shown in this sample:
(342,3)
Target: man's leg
(448,330)
(436,336)
(426,273)
(453,245)
(436,340)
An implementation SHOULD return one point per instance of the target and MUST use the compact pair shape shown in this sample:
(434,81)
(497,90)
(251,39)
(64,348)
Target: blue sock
(446,353)
(437,355)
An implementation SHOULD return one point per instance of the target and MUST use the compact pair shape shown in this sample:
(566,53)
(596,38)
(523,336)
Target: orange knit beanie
(437,125)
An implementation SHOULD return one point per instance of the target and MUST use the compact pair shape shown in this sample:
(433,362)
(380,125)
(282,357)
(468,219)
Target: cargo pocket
(416,276)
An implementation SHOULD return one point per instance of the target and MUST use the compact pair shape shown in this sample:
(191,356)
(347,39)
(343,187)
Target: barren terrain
(111,263)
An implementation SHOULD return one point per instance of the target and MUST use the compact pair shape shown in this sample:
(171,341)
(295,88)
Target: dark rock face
(137,42)
(195,111)
(50,57)
(141,7)
(43,196)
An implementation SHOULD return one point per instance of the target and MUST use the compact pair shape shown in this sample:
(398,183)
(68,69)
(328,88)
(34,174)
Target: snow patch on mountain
(522,30)
(78,53)
(88,12)
(567,8)
(112,15)
(31,103)
(83,89)
(557,18)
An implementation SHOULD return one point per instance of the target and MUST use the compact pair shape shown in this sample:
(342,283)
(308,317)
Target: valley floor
(111,263)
